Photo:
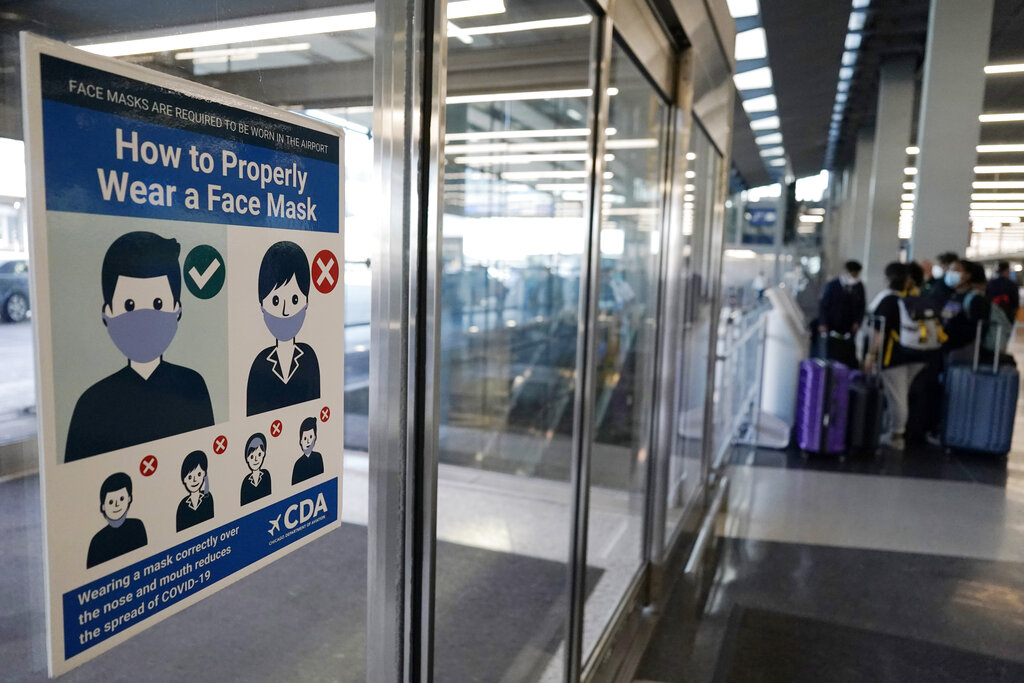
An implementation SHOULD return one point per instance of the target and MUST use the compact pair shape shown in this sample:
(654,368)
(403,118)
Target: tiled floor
(887,564)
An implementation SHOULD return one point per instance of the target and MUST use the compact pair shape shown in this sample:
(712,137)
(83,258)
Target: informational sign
(188,306)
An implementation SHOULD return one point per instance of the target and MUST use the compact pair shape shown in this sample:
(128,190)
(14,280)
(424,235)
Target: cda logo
(299,513)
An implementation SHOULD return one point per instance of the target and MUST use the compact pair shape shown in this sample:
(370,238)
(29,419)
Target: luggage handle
(977,348)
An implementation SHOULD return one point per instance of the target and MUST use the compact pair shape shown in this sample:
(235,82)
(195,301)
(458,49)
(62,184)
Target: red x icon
(325,271)
(220,444)
(325,414)
(275,429)
(148,465)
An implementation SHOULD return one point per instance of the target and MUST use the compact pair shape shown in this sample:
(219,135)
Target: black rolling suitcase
(864,420)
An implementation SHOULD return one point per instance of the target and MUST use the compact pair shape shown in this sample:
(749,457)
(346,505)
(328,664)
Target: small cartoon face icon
(194,480)
(255,457)
(116,503)
(285,300)
(307,439)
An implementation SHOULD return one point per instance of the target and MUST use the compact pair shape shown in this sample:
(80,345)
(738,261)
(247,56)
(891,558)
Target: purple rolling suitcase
(822,406)
(980,405)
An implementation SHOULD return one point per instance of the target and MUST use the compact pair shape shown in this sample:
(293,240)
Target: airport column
(892,134)
(952,94)
(855,213)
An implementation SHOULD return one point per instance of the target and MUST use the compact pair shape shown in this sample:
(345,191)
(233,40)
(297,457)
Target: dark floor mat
(499,616)
(762,646)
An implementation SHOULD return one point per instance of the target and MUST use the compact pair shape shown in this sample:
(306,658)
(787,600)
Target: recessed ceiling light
(760,104)
(755,79)
(751,45)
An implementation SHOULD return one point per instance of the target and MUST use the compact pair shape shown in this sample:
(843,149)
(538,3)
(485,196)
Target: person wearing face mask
(149,398)
(966,306)
(287,372)
(840,312)
(197,505)
(256,484)
(935,287)
(310,463)
(121,535)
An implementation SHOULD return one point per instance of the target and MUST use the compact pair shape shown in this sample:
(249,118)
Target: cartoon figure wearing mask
(148,398)
(121,535)
(287,372)
(310,464)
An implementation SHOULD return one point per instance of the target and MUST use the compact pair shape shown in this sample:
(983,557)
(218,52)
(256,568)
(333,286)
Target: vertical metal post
(404,333)
(670,335)
(715,277)
(586,348)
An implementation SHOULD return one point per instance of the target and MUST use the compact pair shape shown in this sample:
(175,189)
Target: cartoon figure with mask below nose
(148,398)
(121,535)
(288,372)
(256,484)
(197,506)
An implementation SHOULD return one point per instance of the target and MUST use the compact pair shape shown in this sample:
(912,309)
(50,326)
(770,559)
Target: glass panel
(626,333)
(700,188)
(514,230)
(269,626)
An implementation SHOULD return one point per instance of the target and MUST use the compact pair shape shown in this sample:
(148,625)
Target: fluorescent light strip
(559,146)
(1004,68)
(909,186)
(742,8)
(910,170)
(769,139)
(557,175)
(998,184)
(777,162)
(1001,118)
(913,150)
(751,45)
(760,104)
(253,32)
(524,158)
(907,197)
(515,134)
(563,22)
(767,123)
(531,95)
(755,79)
(996,196)
(999,169)
(242,52)
(1004,206)
(805,218)
(988,149)
(773,152)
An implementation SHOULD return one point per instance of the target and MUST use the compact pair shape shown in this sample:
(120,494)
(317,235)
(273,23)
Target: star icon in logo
(275,525)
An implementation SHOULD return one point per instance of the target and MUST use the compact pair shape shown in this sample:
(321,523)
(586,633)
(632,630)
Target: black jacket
(841,307)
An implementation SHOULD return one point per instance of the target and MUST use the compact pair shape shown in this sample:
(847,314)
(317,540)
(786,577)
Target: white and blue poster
(186,248)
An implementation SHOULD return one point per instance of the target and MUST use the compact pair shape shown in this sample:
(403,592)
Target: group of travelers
(926,319)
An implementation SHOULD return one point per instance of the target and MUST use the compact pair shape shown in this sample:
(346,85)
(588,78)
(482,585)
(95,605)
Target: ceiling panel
(805,45)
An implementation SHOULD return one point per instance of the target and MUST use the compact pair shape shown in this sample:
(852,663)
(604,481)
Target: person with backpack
(967,306)
(909,334)
(1003,291)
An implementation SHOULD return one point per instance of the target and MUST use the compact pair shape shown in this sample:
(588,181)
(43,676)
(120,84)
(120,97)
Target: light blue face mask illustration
(142,335)
(284,328)
(952,279)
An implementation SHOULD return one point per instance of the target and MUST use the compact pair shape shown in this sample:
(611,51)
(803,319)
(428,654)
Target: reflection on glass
(626,329)
(700,188)
(513,235)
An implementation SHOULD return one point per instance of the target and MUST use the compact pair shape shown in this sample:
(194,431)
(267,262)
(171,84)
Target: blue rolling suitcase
(980,405)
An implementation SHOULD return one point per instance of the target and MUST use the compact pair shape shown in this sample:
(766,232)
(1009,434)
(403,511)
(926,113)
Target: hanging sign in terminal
(189,323)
